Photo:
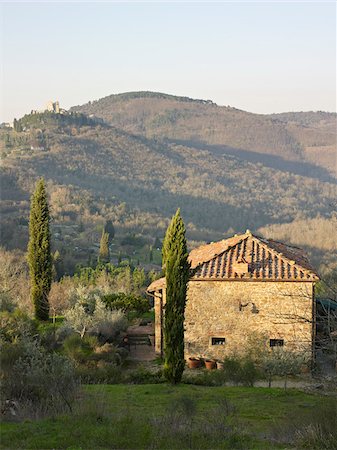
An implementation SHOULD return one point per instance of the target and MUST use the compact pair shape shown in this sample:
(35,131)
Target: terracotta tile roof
(247,257)
(251,257)
(157,285)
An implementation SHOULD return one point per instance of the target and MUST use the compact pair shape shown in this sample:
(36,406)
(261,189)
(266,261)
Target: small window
(218,341)
(276,342)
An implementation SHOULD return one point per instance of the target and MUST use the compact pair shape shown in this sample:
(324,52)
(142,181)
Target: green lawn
(142,416)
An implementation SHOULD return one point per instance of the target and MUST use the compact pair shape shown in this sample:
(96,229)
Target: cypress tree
(110,229)
(39,255)
(175,262)
(104,252)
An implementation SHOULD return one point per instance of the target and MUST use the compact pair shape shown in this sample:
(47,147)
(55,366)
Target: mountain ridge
(295,136)
(139,176)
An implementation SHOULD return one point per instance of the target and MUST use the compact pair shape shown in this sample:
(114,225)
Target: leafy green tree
(110,229)
(39,255)
(176,268)
(104,252)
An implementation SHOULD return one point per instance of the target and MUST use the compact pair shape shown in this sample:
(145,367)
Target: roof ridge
(285,257)
(287,245)
(215,255)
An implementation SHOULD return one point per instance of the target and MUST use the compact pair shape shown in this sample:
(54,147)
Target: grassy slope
(120,416)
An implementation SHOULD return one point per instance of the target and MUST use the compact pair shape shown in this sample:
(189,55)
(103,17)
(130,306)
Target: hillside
(97,171)
(307,138)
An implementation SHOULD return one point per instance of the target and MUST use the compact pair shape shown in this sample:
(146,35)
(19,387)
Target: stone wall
(243,313)
(246,312)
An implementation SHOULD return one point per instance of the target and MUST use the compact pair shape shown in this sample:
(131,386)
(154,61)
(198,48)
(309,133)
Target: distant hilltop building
(6,125)
(51,106)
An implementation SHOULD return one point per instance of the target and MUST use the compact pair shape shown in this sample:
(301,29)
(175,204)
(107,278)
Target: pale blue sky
(261,57)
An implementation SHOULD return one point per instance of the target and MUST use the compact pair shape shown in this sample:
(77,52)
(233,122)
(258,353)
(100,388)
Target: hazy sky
(261,57)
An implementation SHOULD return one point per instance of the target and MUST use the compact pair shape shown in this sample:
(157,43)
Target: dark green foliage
(177,273)
(104,252)
(109,374)
(141,375)
(79,350)
(30,374)
(241,371)
(15,325)
(48,118)
(110,229)
(127,303)
(327,287)
(39,255)
(120,278)
(135,241)
(206,378)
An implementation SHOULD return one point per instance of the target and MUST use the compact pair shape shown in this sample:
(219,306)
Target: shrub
(233,369)
(109,374)
(15,325)
(109,354)
(6,302)
(282,363)
(79,350)
(127,302)
(249,373)
(97,320)
(45,380)
(238,371)
(87,352)
(206,378)
(144,376)
(241,371)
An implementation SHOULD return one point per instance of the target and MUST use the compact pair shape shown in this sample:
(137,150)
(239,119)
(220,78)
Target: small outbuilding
(242,289)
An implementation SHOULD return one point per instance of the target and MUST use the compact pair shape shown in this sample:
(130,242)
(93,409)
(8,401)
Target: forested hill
(305,137)
(97,171)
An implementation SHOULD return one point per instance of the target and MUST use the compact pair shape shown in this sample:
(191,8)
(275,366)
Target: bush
(98,320)
(282,363)
(233,369)
(127,303)
(87,352)
(238,371)
(144,376)
(249,373)
(109,374)
(31,375)
(206,378)
(241,371)
(15,325)
(79,350)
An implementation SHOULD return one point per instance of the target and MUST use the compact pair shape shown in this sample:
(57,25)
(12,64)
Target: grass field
(165,416)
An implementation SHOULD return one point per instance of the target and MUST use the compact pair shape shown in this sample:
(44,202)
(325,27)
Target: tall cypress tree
(175,262)
(110,229)
(39,255)
(104,252)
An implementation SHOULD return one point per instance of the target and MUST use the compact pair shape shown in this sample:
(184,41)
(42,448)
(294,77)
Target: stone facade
(239,311)
(244,292)
(227,317)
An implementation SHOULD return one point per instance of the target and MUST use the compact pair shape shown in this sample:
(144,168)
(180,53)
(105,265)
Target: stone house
(244,289)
